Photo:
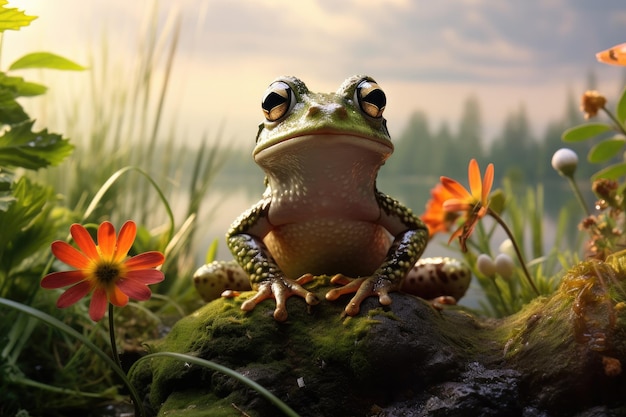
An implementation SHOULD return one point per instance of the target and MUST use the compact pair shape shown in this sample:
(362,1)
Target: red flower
(104,269)
(474,203)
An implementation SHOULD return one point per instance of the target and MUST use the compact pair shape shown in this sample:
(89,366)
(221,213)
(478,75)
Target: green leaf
(584,132)
(212,251)
(21,88)
(45,60)
(10,110)
(21,147)
(606,149)
(612,172)
(13,19)
(27,213)
(620,110)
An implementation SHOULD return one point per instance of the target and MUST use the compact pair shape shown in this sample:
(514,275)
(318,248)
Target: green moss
(221,331)
(547,342)
(197,403)
(583,313)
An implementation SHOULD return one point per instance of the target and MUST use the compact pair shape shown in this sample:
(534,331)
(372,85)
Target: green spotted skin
(406,247)
(250,252)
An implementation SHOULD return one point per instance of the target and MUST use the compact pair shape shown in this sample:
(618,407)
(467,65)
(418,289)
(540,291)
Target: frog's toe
(280,290)
(264,291)
(362,289)
(295,288)
(348,286)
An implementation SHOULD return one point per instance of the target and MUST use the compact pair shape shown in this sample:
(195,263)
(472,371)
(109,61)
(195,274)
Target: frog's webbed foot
(363,288)
(280,289)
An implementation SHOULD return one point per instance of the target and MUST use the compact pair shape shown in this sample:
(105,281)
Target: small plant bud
(504,265)
(565,161)
(507,247)
(485,265)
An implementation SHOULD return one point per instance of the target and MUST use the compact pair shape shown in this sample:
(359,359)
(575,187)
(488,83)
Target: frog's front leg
(245,243)
(411,238)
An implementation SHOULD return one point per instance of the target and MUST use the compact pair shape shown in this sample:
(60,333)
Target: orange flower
(474,203)
(435,217)
(613,56)
(104,269)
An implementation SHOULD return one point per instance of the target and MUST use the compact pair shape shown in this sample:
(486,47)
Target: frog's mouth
(323,158)
(326,139)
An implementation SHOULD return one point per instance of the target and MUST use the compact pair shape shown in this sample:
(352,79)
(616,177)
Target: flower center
(107,273)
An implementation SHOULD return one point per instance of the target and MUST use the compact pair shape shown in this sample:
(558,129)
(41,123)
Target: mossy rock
(405,359)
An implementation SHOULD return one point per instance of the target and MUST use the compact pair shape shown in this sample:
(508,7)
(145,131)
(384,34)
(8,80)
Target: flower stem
(116,355)
(518,252)
(579,195)
(618,124)
(139,410)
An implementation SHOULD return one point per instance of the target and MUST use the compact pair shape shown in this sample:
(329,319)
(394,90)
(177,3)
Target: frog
(322,212)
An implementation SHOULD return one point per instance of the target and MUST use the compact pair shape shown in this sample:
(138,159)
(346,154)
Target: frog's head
(292,111)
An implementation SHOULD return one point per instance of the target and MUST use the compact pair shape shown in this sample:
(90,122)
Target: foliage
(612,135)
(606,227)
(507,294)
(29,219)
(26,207)
(39,197)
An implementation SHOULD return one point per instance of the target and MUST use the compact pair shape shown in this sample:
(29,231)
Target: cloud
(231,49)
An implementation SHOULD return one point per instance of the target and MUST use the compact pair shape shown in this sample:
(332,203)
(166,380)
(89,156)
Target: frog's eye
(371,98)
(277,101)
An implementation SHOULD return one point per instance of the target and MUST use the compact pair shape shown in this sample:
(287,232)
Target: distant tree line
(426,152)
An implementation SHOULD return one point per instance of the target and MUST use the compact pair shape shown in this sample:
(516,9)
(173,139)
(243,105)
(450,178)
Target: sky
(426,55)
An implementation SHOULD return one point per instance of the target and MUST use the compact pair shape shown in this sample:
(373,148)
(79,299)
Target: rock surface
(407,359)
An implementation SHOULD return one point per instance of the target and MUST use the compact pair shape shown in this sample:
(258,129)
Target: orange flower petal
(125,240)
(613,56)
(98,304)
(487,184)
(145,276)
(73,294)
(473,174)
(106,240)
(145,260)
(117,296)
(456,189)
(69,255)
(134,289)
(455,204)
(84,241)
(62,279)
